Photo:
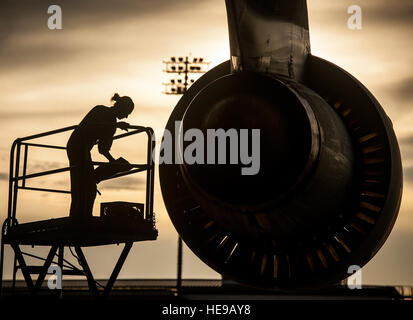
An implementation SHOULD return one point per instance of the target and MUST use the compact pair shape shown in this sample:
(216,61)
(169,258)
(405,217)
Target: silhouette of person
(97,127)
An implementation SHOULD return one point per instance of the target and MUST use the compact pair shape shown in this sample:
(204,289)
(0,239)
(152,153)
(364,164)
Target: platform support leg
(60,263)
(14,273)
(23,267)
(85,266)
(1,264)
(116,270)
(46,266)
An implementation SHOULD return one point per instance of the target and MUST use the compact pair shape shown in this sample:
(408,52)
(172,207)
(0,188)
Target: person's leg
(89,187)
(74,193)
(75,185)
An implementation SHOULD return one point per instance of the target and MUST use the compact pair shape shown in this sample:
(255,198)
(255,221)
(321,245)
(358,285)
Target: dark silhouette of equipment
(108,170)
(329,188)
(119,222)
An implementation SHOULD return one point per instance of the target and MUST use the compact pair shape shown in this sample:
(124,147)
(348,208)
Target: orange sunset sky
(52,78)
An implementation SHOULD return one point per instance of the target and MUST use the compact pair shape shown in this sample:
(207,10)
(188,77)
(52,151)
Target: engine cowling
(330,181)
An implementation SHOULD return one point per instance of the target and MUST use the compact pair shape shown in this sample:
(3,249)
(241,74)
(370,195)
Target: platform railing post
(26,150)
(11,181)
(148,177)
(152,174)
(16,182)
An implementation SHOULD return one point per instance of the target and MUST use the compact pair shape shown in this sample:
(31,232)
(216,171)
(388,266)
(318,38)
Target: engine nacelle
(330,181)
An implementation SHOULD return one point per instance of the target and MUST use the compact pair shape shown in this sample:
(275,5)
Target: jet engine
(328,189)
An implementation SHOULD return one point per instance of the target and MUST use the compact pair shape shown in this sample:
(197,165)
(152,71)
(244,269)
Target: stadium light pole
(182,67)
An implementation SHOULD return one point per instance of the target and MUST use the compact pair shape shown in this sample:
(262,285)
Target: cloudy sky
(51,78)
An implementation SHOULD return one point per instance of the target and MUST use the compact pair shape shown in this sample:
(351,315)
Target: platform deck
(94,231)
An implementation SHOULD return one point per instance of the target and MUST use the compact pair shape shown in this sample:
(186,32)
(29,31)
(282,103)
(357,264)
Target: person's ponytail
(116,97)
(124,103)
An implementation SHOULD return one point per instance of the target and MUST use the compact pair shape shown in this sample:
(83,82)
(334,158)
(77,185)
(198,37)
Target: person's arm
(105,143)
(108,156)
(122,125)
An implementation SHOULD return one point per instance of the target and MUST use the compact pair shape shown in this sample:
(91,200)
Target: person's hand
(124,163)
(122,160)
(122,125)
